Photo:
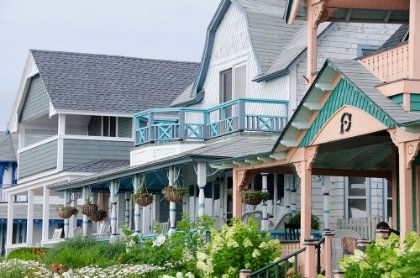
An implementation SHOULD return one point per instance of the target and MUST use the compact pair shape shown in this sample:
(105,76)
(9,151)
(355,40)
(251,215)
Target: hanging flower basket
(254,200)
(89,209)
(98,215)
(66,212)
(142,198)
(174,197)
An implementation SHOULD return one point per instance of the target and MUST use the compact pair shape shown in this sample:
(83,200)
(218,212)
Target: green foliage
(27,254)
(78,252)
(251,194)
(315,221)
(237,247)
(176,189)
(70,209)
(385,258)
(177,250)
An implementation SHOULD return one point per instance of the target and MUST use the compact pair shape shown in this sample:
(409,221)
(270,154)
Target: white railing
(364,226)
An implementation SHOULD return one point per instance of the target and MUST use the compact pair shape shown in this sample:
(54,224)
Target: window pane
(389,190)
(105,126)
(357,208)
(389,208)
(240,82)
(226,90)
(357,186)
(112,126)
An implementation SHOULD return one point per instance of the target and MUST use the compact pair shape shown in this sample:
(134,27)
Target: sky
(157,29)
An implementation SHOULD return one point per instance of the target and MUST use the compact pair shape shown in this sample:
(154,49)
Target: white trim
(94,113)
(78,137)
(41,180)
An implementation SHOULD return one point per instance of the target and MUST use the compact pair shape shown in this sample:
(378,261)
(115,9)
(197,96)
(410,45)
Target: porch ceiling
(366,153)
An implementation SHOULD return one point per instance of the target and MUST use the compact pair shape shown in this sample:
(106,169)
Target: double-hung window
(357,192)
(232,85)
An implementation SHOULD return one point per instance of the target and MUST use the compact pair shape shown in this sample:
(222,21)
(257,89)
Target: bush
(28,254)
(79,252)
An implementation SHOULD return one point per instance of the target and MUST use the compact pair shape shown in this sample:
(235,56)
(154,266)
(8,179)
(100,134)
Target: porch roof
(237,144)
(354,11)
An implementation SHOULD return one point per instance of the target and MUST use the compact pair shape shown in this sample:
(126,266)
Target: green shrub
(27,254)
(79,252)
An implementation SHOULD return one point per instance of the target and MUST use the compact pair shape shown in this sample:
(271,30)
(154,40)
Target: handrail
(318,249)
(276,264)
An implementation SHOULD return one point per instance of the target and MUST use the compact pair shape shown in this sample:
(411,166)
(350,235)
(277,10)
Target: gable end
(37,101)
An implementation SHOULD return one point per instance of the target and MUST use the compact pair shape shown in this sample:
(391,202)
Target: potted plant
(315,221)
(98,215)
(174,193)
(143,199)
(88,209)
(254,197)
(66,212)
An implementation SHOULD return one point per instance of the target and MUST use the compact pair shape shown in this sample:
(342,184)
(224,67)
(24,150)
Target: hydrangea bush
(385,259)
(237,247)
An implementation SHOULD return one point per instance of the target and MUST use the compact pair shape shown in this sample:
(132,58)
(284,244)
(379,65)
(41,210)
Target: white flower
(232,243)
(189,275)
(179,275)
(256,253)
(201,256)
(160,239)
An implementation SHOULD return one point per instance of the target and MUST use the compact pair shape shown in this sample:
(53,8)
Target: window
(366,50)
(357,197)
(388,199)
(232,85)
(109,126)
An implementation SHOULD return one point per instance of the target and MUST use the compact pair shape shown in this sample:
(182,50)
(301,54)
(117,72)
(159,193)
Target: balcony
(389,65)
(195,124)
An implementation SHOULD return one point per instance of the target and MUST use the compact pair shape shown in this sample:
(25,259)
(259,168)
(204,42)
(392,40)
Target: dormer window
(232,85)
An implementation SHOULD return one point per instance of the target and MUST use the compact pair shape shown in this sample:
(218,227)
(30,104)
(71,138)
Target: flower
(249,193)
(248,242)
(179,275)
(289,272)
(232,243)
(201,256)
(160,239)
(119,259)
(256,253)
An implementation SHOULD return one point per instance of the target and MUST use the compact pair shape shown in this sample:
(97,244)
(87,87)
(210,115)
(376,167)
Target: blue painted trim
(113,218)
(201,206)
(326,211)
(137,215)
(3,166)
(172,210)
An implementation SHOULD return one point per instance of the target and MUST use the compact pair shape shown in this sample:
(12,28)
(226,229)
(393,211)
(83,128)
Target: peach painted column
(304,170)
(328,235)
(312,44)
(414,41)
(237,201)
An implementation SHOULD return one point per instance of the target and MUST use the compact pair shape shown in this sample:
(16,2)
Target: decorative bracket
(310,156)
(245,177)
(412,149)
(320,13)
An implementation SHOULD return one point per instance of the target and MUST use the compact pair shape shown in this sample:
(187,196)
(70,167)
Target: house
(76,109)
(244,93)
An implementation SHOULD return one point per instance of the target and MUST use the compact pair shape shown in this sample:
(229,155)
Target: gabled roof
(276,45)
(396,38)
(8,148)
(106,83)
(363,82)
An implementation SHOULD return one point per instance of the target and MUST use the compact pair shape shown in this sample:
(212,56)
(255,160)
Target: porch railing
(174,124)
(389,64)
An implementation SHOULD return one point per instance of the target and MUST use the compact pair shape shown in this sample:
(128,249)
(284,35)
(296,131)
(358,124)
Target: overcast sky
(158,29)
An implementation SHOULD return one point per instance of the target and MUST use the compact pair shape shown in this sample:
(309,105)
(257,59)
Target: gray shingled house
(247,87)
(73,117)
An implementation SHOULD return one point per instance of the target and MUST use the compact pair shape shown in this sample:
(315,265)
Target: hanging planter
(174,193)
(98,215)
(254,197)
(142,199)
(66,212)
(88,209)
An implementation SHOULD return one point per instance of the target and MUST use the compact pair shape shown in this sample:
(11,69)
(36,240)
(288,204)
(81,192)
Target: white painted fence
(364,226)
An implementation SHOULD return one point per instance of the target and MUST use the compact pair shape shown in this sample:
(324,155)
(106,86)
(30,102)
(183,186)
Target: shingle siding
(125,127)
(37,101)
(95,126)
(38,159)
(77,152)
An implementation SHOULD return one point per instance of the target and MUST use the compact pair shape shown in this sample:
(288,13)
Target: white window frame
(347,197)
(386,199)
(234,66)
(109,125)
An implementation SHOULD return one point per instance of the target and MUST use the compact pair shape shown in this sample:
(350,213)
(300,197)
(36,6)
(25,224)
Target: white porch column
(30,219)
(201,182)
(147,211)
(293,190)
(287,194)
(136,186)
(86,191)
(172,205)
(114,187)
(222,192)
(326,193)
(9,235)
(22,132)
(127,208)
(60,141)
(66,221)
(46,214)
(264,221)
(275,195)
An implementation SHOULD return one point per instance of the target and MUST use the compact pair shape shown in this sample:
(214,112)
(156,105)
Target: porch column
(287,194)
(201,182)
(30,220)
(127,208)
(236,188)
(275,195)
(136,186)
(173,174)
(293,190)
(86,192)
(326,193)
(414,41)
(406,189)
(46,214)
(264,221)
(113,188)
(304,170)
(66,221)
(9,235)
(312,44)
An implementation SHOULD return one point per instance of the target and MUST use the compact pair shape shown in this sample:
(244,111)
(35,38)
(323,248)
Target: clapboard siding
(37,100)
(125,127)
(77,152)
(38,159)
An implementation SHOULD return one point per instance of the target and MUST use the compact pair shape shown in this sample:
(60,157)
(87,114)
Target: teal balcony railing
(243,114)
